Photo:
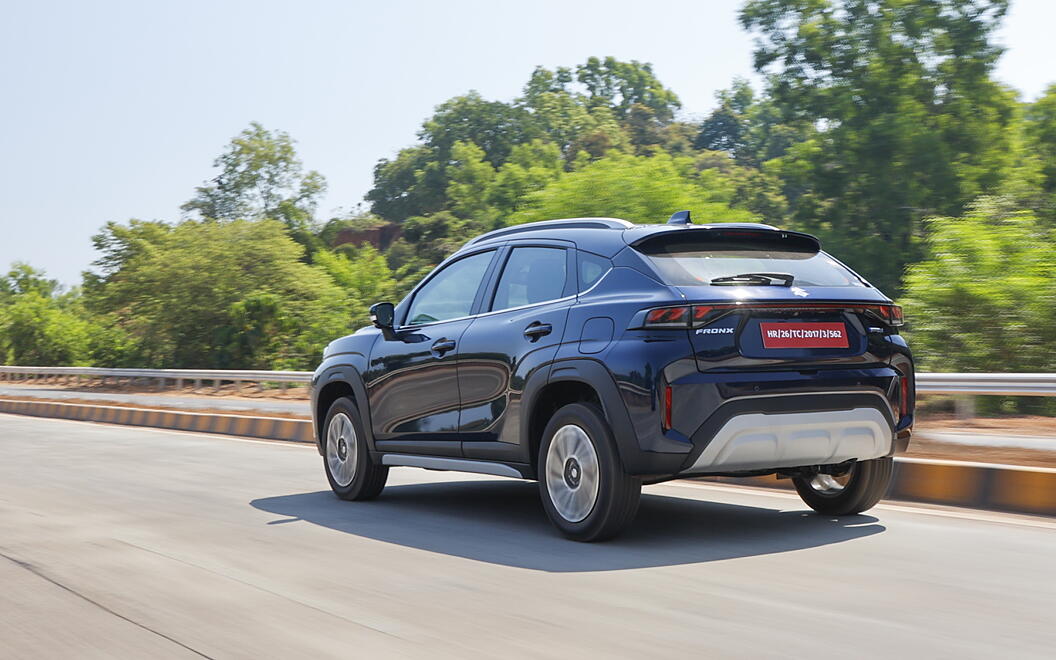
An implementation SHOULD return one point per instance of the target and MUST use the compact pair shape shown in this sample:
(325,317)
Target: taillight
(696,316)
(667,317)
(890,313)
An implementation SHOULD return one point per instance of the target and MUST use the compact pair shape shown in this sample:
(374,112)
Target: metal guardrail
(987,384)
(969,384)
(68,375)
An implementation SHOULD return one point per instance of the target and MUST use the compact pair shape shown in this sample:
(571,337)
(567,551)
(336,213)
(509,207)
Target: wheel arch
(333,384)
(575,381)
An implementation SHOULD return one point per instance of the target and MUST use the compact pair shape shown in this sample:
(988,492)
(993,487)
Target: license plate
(804,335)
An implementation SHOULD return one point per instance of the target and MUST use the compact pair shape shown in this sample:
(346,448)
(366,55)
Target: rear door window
(532,275)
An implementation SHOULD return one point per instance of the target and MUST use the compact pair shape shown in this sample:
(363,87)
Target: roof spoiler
(680,234)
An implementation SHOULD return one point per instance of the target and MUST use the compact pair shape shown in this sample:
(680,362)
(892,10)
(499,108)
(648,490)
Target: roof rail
(570,223)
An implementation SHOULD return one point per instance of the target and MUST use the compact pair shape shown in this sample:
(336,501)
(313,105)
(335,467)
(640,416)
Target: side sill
(453,464)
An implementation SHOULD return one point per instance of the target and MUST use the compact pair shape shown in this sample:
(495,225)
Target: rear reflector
(903,401)
(667,407)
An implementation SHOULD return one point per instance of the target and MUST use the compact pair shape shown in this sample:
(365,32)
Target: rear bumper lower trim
(757,441)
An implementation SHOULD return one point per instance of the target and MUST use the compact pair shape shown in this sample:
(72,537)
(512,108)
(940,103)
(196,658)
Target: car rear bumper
(769,432)
(759,441)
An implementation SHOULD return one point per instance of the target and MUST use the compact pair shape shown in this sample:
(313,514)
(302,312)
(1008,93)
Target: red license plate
(804,335)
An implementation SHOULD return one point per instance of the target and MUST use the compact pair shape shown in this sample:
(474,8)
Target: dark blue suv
(595,355)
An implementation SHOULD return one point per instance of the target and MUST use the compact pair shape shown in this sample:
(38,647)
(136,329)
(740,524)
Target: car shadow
(502,522)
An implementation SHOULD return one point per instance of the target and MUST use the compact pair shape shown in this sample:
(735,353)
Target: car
(594,356)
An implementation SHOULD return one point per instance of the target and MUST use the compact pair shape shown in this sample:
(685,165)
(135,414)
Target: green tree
(417,181)
(1040,130)
(984,298)
(531,167)
(750,128)
(623,85)
(636,188)
(187,293)
(363,276)
(604,105)
(909,122)
(23,278)
(260,176)
(36,330)
(493,126)
(471,178)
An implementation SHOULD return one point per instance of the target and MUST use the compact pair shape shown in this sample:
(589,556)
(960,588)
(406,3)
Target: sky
(116,110)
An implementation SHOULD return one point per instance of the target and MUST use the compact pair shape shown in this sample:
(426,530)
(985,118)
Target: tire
(349,469)
(584,489)
(863,487)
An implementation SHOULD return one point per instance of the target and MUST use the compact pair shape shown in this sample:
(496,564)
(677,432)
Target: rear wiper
(753,279)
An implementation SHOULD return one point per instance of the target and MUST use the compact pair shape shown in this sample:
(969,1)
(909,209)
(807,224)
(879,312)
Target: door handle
(442,346)
(537,330)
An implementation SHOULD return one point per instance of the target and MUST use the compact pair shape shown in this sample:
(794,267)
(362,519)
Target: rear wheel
(854,491)
(349,469)
(584,489)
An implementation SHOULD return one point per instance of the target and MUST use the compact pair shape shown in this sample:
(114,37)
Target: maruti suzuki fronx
(595,356)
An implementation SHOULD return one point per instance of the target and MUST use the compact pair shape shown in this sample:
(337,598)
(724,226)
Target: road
(131,542)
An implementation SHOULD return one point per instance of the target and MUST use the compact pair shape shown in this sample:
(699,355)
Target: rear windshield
(687,264)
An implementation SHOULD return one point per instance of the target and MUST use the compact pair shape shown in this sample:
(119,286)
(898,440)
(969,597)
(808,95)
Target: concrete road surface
(136,543)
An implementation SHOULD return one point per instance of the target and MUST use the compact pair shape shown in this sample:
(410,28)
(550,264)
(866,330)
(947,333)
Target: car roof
(604,236)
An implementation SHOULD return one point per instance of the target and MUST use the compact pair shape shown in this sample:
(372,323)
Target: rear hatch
(764,297)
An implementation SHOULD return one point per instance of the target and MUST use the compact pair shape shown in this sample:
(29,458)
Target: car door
(518,331)
(412,381)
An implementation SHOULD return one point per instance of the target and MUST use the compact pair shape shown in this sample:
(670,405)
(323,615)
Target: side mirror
(382,315)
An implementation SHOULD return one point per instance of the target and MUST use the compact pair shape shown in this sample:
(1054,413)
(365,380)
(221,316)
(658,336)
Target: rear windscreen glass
(686,264)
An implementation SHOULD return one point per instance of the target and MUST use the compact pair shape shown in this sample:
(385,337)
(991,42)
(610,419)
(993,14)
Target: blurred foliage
(40,331)
(636,188)
(1040,148)
(878,126)
(215,294)
(363,276)
(906,119)
(984,298)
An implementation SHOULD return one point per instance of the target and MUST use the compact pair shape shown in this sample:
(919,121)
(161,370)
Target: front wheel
(857,490)
(351,473)
(584,489)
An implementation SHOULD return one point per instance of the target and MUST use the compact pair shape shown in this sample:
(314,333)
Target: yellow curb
(1034,492)
(945,484)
